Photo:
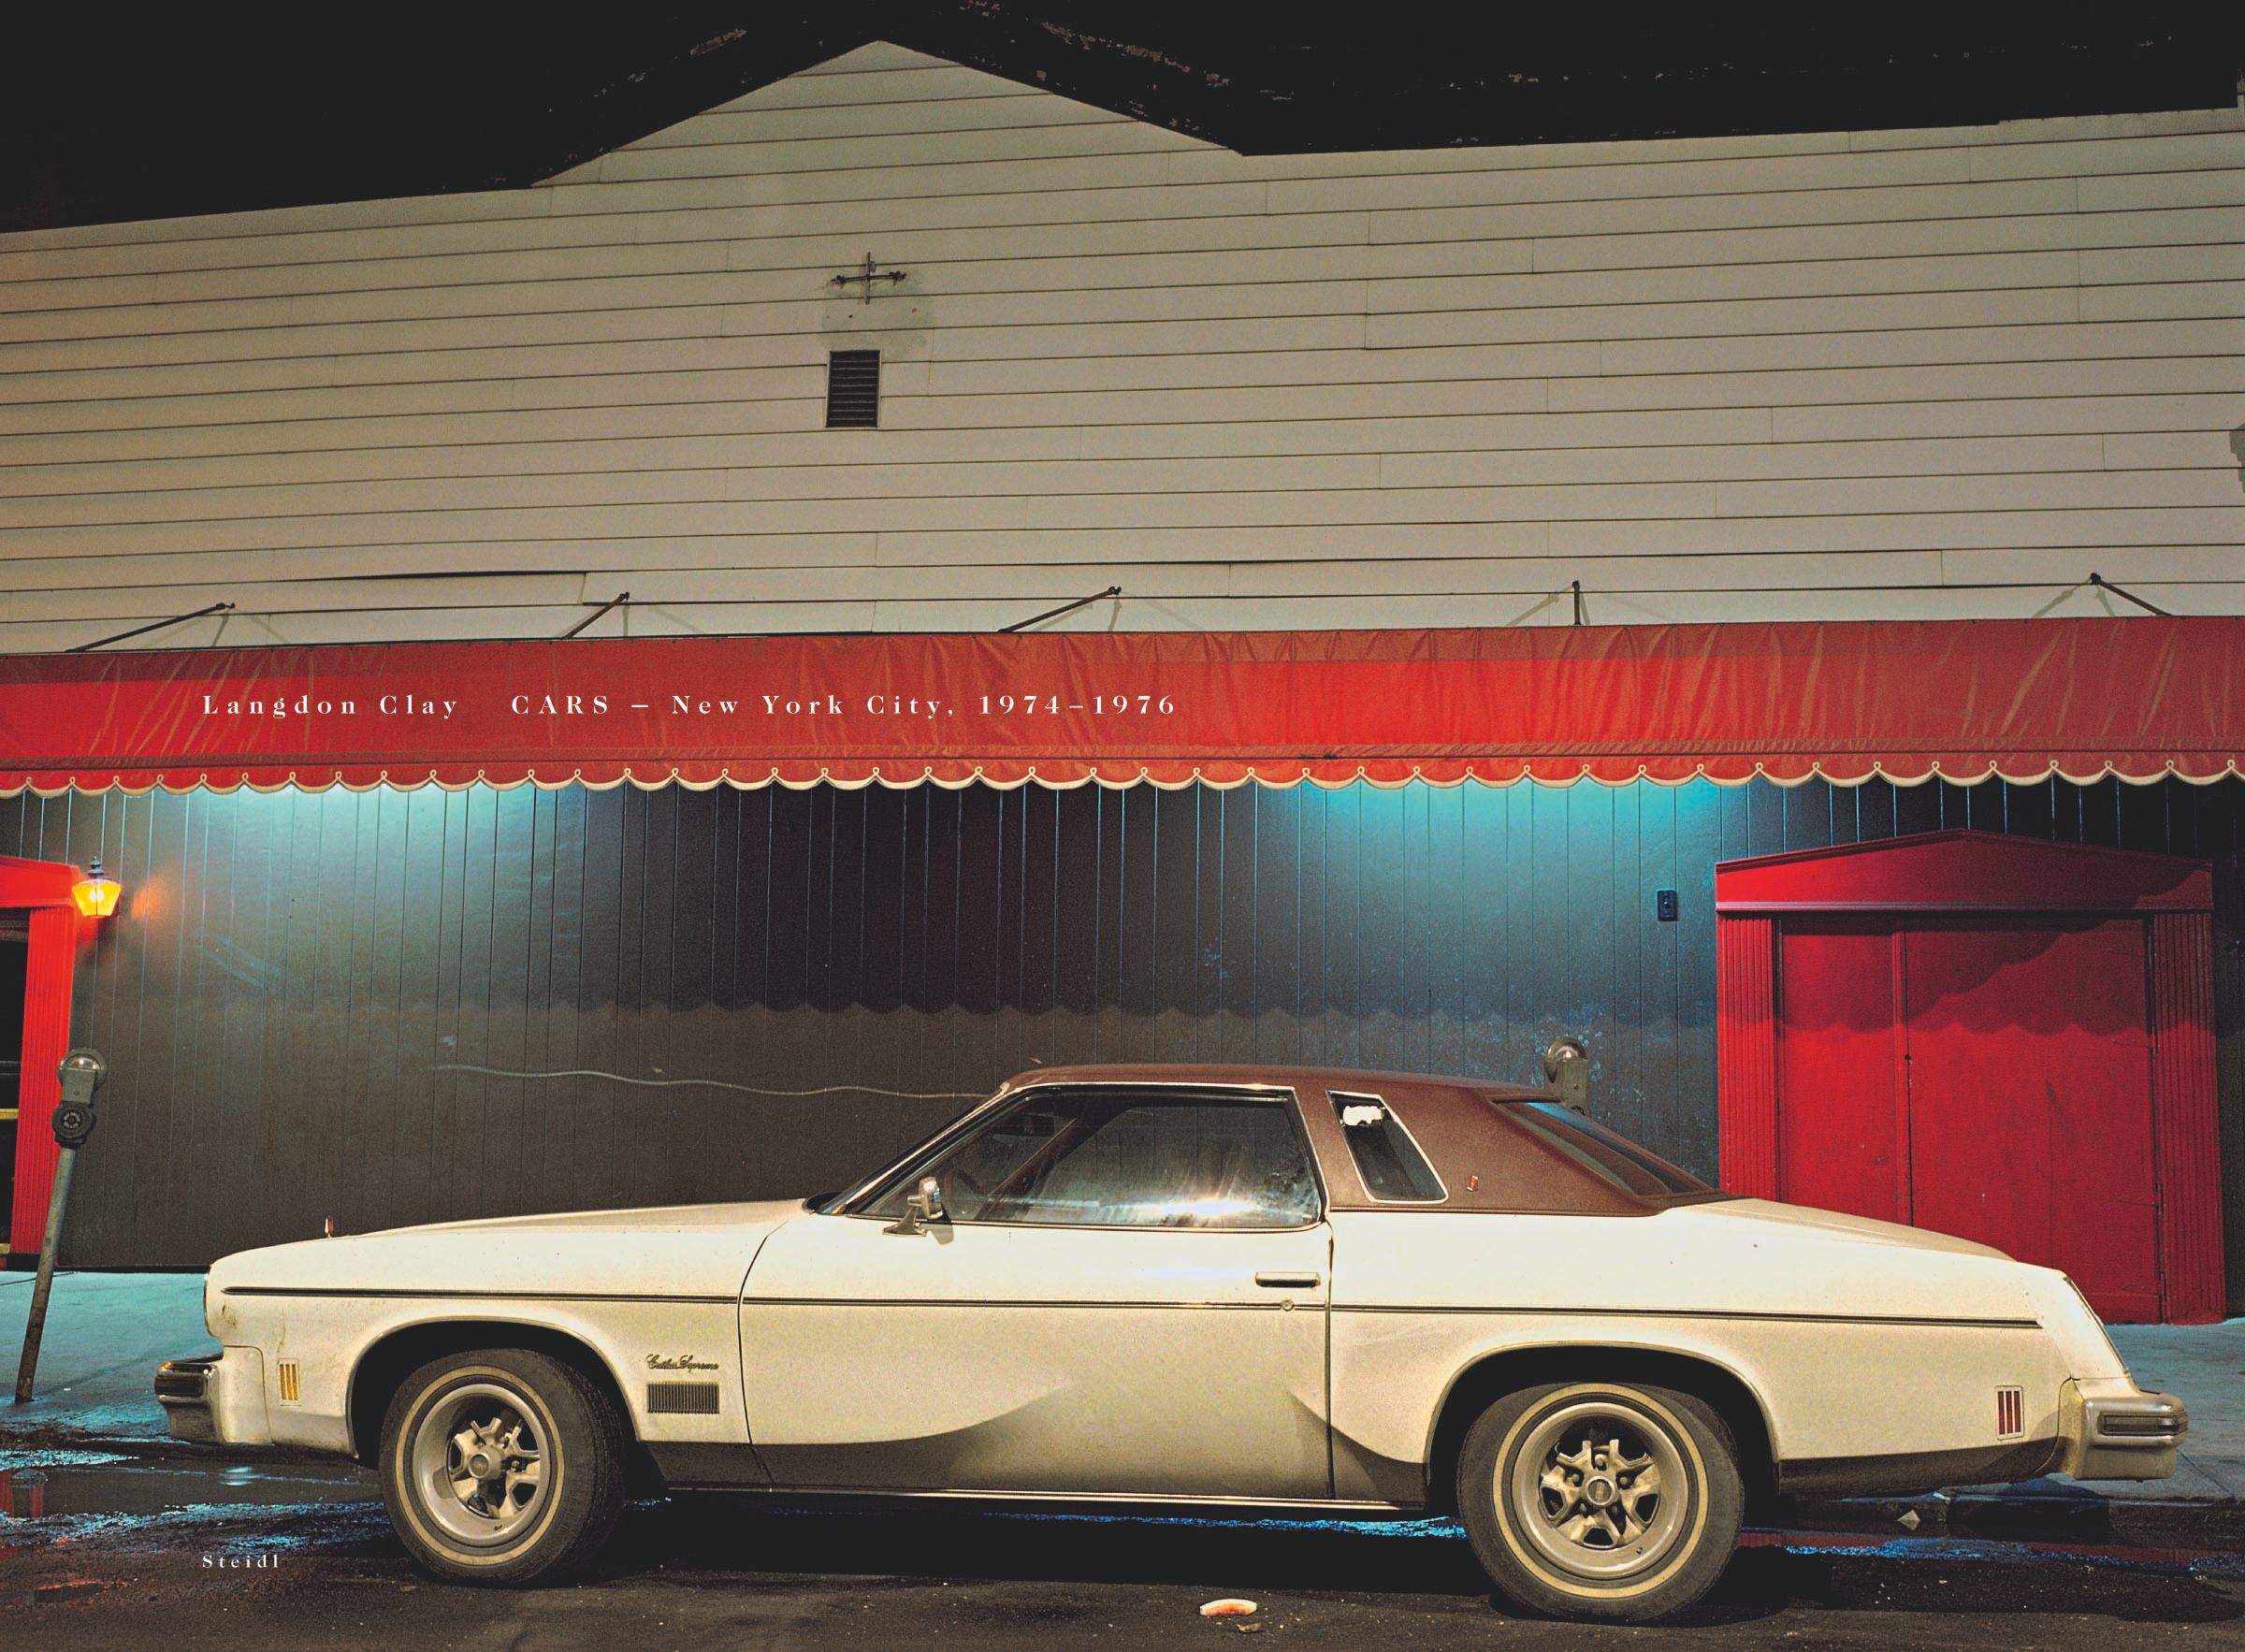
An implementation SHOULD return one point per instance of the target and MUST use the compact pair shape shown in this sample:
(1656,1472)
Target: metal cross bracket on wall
(866,275)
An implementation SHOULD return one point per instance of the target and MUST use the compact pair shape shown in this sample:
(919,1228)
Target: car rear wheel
(1612,1501)
(501,1466)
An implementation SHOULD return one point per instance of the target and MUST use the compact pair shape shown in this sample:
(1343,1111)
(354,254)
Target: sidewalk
(2203,1504)
(2203,1366)
(106,1332)
(106,1335)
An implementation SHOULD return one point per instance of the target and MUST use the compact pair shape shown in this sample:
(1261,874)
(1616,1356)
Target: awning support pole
(611,602)
(2105,584)
(1112,590)
(1576,586)
(157,626)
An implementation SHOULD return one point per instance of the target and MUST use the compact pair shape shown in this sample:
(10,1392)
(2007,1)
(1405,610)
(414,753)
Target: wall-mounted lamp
(95,892)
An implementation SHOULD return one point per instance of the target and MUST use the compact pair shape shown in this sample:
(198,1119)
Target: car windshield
(951,1130)
(1121,1156)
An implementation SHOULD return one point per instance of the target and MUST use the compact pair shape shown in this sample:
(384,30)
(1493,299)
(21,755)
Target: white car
(1254,1288)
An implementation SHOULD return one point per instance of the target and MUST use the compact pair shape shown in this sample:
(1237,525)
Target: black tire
(1555,1547)
(521,1534)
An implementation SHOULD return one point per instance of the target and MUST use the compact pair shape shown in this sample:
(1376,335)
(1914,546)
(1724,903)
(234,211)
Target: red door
(1843,1139)
(1986,1077)
(2029,1076)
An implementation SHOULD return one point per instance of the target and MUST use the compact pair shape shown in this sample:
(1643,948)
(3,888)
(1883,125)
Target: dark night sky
(114,113)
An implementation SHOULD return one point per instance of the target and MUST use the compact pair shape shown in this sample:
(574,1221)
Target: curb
(2023,1515)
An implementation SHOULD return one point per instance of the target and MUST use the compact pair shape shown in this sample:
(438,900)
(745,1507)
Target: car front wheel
(1612,1501)
(501,1466)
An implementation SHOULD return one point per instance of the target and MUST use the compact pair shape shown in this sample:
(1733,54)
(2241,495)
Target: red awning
(1968,699)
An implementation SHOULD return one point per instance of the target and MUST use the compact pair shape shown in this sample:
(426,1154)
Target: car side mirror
(929,1200)
(923,1205)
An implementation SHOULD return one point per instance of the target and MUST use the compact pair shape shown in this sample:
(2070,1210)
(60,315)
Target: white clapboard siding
(1489,278)
(1901,530)
(558,440)
(1920,373)
(2154,231)
(1488,283)
(1015,108)
(1050,461)
(1514,552)
(2204,413)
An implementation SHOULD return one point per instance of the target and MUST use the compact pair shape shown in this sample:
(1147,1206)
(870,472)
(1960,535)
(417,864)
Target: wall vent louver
(853,389)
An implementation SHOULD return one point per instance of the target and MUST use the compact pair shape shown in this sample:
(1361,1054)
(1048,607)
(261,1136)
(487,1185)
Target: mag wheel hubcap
(480,1463)
(1601,1489)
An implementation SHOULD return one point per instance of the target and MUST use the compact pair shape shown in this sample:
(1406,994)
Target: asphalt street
(126,1552)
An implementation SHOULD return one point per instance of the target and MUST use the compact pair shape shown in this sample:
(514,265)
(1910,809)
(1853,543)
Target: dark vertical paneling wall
(323,1005)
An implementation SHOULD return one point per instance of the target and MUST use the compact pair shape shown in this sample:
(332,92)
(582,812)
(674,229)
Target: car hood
(664,1250)
(649,1219)
(1767,1213)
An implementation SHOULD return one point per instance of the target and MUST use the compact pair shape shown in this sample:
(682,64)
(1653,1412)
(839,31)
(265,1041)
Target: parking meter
(82,1072)
(1567,1066)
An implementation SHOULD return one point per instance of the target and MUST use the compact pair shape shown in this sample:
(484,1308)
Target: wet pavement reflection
(154,1545)
(99,1483)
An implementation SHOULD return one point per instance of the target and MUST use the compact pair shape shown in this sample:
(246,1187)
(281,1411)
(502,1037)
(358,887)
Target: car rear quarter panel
(1851,1348)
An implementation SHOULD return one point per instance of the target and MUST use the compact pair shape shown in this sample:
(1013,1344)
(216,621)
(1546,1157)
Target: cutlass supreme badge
(679,1362)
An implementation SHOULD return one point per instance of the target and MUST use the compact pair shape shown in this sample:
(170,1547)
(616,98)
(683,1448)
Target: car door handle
(1287,1282)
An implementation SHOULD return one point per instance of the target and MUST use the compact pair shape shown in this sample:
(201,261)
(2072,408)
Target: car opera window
(1096,1157)
(1394,1171)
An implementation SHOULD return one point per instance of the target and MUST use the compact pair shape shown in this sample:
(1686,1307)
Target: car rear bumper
(2110,1429)
(216,1399)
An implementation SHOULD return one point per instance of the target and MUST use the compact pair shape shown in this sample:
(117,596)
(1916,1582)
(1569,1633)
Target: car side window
(1125,1157)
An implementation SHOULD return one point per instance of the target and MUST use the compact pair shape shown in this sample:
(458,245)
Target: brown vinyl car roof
(1490,1156)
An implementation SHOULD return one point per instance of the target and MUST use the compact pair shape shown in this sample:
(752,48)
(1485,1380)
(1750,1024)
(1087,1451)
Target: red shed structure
(1999,1037)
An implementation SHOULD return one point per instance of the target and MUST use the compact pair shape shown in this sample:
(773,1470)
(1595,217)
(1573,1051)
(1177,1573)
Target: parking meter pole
(78,1075)
(36,1327)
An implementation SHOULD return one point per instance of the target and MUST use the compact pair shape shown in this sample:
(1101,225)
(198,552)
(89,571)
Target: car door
(1127,1297)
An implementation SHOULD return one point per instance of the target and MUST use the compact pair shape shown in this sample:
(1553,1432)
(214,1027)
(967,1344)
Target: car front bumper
(215,1398)
(2110,1429)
